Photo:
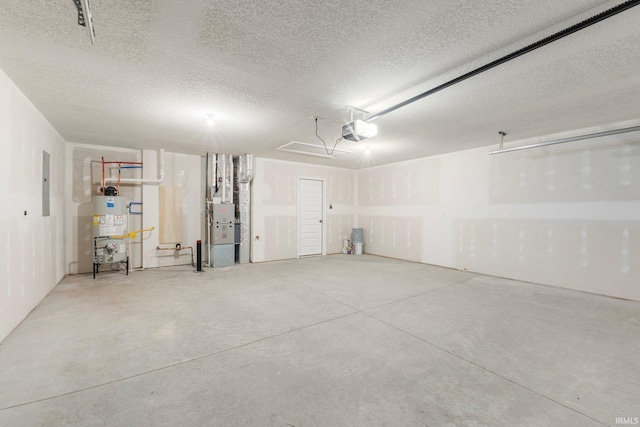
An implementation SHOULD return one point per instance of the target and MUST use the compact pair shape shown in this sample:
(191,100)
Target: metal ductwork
(244,177)
(227,210)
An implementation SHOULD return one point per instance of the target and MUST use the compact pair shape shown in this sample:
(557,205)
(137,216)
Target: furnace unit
(223,227)
(227,208)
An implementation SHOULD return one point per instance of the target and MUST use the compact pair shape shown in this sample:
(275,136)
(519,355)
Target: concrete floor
(333,341)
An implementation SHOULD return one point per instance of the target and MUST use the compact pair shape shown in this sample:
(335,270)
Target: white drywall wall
(183,171)
(565,215)
(274,207)
(33,246)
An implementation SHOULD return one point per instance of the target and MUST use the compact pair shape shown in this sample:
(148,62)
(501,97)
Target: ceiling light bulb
(372,130)
(367,150)
(359,130)
(210,122)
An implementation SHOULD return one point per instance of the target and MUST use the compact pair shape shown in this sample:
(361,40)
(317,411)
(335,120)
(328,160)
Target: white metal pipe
(161,177)
(222,164)
(570,139)
(229,179)
(133,180)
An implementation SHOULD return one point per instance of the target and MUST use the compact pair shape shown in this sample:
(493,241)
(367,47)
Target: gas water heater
(110,231)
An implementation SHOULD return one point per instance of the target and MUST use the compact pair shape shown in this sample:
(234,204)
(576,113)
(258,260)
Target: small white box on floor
(357,246)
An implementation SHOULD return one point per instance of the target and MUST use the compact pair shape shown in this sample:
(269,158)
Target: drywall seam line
(484,368)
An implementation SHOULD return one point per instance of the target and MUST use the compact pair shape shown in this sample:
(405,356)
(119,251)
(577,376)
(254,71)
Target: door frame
(323,234)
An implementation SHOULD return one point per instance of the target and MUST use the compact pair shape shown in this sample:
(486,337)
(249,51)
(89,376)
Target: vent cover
(315,150)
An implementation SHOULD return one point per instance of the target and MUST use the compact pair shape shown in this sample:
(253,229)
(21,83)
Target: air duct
(244,176)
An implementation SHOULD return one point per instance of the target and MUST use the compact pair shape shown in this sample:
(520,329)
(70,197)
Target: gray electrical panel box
(224,218)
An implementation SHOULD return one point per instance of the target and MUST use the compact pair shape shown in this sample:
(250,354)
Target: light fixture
(367,150)
(359,130)
(210,121)
(355,130)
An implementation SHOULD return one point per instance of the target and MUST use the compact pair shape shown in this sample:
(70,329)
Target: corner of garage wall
(562,215)
(33,243)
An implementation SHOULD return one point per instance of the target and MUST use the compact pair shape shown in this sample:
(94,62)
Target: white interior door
(310,217)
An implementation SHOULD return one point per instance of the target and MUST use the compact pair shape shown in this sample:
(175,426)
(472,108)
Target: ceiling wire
(326,148)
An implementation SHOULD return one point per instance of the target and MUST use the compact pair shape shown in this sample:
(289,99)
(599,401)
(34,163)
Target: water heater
(109,231)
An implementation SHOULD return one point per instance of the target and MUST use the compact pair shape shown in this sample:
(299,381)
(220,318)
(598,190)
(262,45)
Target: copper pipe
(158,248)
(121,163)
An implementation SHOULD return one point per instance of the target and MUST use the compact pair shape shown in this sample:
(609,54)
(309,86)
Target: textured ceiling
(264,68)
